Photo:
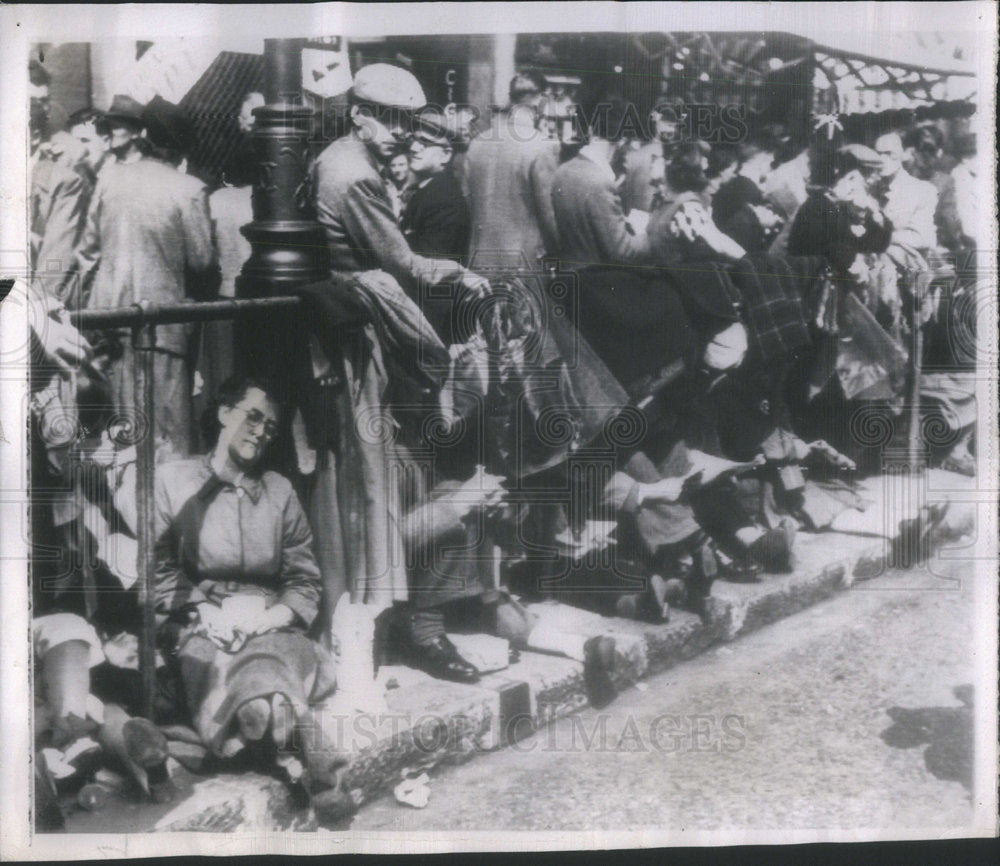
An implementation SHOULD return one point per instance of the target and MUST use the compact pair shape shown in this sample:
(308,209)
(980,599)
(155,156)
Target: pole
(289,247)
(916,363)
(143,343)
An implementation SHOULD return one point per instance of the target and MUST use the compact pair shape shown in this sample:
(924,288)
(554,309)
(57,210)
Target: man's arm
(370,222)
(949,226)
(623,493)
(88,255)
(542,173)
(64,223)
(201,263)
(618,244)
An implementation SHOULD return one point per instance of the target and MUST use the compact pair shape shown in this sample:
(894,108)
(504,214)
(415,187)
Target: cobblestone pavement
(843,716)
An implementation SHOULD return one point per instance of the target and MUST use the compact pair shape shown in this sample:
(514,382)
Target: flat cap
(389,86)
(430,126)
(857,154)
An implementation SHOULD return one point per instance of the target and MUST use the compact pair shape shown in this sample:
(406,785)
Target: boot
(139,746)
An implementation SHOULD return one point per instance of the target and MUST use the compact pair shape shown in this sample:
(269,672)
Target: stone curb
(465,720)
(431,723)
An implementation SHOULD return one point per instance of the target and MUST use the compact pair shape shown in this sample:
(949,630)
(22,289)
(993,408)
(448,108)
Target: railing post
(143,344)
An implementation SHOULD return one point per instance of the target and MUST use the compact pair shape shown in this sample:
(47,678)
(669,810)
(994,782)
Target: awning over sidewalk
(891,81)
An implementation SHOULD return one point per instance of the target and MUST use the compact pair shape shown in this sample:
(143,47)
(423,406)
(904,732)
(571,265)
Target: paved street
(789,727)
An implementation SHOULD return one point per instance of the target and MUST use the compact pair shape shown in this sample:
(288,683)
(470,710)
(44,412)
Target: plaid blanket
(776,293)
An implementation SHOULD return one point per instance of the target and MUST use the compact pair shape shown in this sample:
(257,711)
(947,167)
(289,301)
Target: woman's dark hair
(684,173)
(401,150)
(230,392)
(84,115)
(720,158)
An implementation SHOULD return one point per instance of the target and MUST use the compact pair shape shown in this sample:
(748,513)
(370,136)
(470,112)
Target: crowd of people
(672,334)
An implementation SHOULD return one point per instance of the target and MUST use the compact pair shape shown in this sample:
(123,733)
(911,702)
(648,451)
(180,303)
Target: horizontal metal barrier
(143,319)
(138,315)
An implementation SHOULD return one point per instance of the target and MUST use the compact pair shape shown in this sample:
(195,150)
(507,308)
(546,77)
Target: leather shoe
(773,550)
(440,659)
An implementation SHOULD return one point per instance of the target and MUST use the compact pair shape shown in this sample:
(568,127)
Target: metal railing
(143,319)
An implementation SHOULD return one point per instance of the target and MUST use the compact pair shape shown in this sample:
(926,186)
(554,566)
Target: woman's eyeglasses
(257,420)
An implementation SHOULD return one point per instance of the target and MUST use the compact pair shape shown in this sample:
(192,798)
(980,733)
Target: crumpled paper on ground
(413,790)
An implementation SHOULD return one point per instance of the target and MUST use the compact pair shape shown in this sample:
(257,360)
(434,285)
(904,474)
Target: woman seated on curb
(238,587)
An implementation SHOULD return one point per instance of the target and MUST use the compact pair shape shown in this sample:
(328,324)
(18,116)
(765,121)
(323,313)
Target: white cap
(388,85)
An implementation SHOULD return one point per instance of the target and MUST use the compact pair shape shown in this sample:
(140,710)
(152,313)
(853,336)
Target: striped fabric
(213,104)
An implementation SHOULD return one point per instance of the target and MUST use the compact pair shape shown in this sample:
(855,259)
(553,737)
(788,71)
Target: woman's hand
(215,623)
(276,617)
(721,243)
(638,221)
(767,218)
(482,490)
(692,221)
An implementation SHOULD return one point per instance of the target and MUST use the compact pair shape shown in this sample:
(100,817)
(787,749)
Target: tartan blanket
(776,292)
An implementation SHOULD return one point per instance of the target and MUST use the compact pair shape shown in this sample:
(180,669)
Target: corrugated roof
(213,104)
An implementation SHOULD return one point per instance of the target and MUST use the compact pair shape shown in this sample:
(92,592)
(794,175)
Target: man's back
(588,211)
(509,175)
(345,171)
(148,231)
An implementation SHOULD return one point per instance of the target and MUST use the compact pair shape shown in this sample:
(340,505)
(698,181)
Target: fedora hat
(124,108)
